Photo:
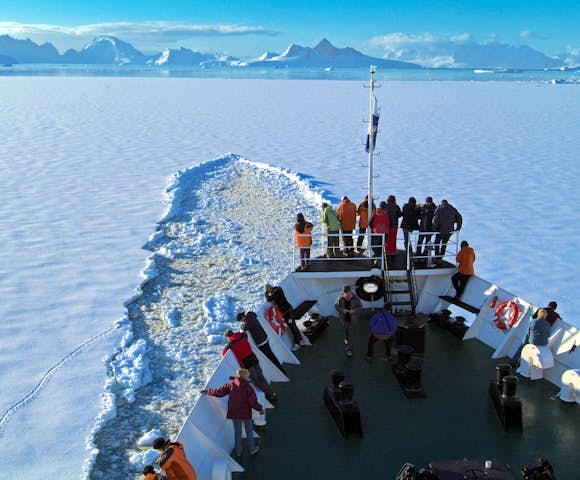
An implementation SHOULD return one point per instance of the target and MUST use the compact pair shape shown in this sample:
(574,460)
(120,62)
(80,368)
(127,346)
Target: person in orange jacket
(363,223)
(303,232)
(347,215)
(465,260)
(172,460)
(151,474)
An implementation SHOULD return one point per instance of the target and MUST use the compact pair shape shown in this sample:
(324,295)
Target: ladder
(401,292)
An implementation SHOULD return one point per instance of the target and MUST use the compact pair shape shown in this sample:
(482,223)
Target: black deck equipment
(338,398)
(444,320)
(507,404)
(408,372)
(314,326)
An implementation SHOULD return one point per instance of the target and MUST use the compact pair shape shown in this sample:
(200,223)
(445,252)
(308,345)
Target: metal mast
(371,150)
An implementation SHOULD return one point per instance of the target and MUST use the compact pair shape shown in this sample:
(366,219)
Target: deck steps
(301,309)
(459,303)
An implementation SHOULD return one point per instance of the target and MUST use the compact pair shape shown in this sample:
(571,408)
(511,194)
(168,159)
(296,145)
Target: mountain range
(113,51)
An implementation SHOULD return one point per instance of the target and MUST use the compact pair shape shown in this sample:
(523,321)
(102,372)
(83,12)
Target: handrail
(429,254)
(319,247)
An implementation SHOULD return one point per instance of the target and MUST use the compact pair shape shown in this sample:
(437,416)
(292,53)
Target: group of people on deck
(426,218)
(242,398)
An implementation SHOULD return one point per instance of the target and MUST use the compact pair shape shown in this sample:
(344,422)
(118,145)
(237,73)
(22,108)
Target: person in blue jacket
(383,326)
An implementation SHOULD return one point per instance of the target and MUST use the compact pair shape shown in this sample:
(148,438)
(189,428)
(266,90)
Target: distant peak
(325,47)
(324,43)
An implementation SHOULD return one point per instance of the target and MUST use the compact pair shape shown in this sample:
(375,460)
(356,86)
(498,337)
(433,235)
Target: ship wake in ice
(226,232)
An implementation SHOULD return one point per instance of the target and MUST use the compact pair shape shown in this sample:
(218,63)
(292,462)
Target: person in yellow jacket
(347,216)
(303,232)
(173,461)
(465,260)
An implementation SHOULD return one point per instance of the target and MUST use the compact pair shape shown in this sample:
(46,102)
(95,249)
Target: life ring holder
(378,287)
(514,311)
(276,320)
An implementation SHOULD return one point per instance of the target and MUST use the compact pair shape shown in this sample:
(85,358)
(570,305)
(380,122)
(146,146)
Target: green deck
(456,420)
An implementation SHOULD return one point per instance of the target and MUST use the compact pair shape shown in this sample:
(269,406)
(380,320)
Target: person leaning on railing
(277,297)
(172,460)
(379,224)
(363,222)
(446,220)
(427,211)
(410,221)
(347,215)
(241,401)
(332,222)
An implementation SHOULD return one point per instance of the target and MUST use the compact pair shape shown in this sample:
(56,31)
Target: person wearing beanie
(303,233)
(172,460)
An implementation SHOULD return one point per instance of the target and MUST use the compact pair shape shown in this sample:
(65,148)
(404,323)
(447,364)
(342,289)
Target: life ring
(377,287)
(276,320)
(493,302)
(512,311)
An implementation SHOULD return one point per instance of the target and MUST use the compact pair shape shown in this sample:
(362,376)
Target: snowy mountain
(326,55)
(106,50)
(187,57)
(183,56)
(26,51)
(501,55)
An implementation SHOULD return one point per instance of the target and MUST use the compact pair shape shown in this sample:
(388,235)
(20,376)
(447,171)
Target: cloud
(161,32)
(425,49)
(534,35)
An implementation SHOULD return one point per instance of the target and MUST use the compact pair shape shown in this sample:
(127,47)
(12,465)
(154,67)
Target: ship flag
(375,125)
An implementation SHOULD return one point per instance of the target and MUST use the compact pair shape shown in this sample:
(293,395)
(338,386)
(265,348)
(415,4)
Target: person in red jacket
(347,216)
(465,259)
(242,399)
(173,461)
(238,343)
(379,224)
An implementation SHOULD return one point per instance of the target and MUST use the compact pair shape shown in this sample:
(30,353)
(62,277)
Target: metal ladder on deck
(409,288)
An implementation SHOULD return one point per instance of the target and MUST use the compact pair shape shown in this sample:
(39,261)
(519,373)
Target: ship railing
(426,248)
(319,250)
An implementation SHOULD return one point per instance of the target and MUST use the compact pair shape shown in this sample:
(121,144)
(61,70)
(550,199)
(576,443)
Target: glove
(203,392)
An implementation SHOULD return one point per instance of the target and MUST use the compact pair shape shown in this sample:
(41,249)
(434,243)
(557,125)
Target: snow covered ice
(83,164)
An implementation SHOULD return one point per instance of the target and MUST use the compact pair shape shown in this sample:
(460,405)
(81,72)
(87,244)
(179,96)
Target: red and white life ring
(276,320)
(506,315)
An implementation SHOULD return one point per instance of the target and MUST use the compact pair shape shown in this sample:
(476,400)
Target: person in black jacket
(427,212)
(410,221)
(277,297)
(250,323)
(446,220)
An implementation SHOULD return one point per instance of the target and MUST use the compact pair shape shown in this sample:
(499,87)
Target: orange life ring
(493,302)
(512,316)
(276,320)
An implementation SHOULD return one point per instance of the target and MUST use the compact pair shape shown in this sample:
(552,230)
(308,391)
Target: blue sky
(249,27)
